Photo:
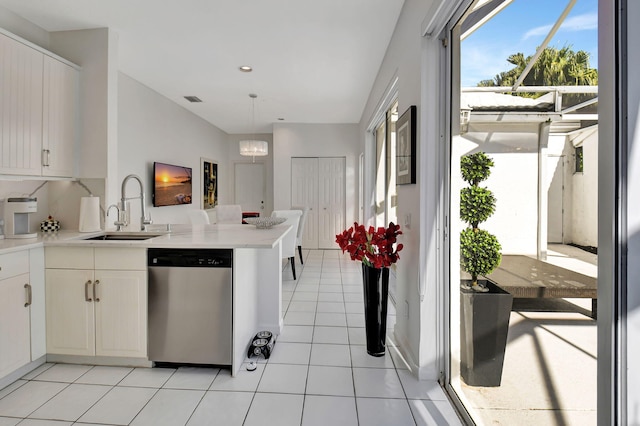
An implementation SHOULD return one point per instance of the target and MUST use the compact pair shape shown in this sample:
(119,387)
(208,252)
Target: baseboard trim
(20,372)
(99,360)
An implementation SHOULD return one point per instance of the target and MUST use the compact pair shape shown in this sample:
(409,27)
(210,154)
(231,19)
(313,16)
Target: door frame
(264,168)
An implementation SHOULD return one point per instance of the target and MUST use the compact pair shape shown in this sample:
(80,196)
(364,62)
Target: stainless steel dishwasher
(190,306)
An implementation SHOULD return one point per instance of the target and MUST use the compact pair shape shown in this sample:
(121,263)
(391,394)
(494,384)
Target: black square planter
(484,326)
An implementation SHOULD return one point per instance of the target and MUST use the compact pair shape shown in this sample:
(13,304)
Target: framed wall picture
(406,147)
(209,171)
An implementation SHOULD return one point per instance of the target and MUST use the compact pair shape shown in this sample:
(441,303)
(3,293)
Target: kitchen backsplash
(60,199)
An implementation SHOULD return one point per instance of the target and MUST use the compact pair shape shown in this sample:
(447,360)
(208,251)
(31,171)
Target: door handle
(27,287)
(86,291)
(95,287)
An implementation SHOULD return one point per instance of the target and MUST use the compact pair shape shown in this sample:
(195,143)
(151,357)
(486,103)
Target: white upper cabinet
(38,111)
(20,108)
(59,118)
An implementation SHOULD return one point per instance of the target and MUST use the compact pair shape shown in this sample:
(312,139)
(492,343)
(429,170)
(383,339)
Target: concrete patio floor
(549,374)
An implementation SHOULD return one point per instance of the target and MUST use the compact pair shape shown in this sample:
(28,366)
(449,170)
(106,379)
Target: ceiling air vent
(193,99)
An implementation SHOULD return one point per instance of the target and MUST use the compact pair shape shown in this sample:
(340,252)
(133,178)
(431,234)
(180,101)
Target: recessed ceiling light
(245,68)
(193,99)
(281,118)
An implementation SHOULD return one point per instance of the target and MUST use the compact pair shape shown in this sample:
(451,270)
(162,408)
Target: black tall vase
(376,292)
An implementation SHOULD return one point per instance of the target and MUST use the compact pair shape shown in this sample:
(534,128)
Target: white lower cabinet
(21,309)
(121,313)
(14,324)
(96,301)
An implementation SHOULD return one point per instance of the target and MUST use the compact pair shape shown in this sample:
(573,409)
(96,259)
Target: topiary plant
(479,250)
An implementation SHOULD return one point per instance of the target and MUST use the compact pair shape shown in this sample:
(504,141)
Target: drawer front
(121,258)
(69,257)
(12,264)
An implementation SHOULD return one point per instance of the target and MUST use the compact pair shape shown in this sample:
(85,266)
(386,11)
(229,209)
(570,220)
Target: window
(386,195)
(579,160)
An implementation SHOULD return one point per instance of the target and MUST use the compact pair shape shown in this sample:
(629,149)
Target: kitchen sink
(123,237)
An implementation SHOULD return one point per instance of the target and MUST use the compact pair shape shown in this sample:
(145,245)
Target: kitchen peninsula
(256,278)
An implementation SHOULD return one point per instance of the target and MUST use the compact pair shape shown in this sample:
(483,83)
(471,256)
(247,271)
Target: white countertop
(181,236)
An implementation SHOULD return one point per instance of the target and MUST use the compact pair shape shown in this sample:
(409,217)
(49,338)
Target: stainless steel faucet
(119,223)
(144,221)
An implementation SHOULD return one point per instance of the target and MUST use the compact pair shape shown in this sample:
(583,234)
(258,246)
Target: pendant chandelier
(252,147)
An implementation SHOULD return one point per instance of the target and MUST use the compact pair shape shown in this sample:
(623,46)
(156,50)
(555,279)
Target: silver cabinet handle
(46,155)
(29,295)
(95,287)
(86,291)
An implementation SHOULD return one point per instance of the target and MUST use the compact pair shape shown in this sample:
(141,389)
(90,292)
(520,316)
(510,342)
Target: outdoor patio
(549,375)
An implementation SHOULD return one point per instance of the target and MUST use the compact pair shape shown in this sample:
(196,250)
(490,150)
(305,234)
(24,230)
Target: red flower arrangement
(373,247)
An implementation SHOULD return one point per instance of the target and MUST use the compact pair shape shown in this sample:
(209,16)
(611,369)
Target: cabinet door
(37,308)
(121,313)
(70,316)
(59,118)
(14,324)
(20,108)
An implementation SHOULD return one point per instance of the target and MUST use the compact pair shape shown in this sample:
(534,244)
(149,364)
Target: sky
(521,27)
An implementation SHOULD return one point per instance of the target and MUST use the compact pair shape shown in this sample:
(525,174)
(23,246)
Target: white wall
(12,188)
(513,181)
(23,28)
(315,140)
(417,280)
(584,215)
(96,51)
(235,158)
(154,128)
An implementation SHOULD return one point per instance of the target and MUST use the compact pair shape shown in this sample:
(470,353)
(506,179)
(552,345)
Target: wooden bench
(526,277)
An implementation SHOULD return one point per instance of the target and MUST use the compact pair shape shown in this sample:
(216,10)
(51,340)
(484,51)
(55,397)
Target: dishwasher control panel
(191,258)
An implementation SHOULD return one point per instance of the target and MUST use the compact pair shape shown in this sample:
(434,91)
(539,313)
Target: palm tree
(554,67)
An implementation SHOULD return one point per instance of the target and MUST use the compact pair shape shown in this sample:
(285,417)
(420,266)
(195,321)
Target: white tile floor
(318,374)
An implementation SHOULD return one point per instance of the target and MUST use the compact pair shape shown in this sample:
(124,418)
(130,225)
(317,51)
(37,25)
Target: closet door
(304,192)
(331,195)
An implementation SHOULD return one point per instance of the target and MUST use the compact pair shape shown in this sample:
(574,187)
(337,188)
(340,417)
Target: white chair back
(301,224)
(229,213)
(289,240)
(198,217)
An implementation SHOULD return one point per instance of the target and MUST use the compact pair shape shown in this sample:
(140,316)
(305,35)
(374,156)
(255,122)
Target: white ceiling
(314,61)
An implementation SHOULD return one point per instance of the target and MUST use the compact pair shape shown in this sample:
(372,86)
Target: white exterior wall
(513,181)
(584,214)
